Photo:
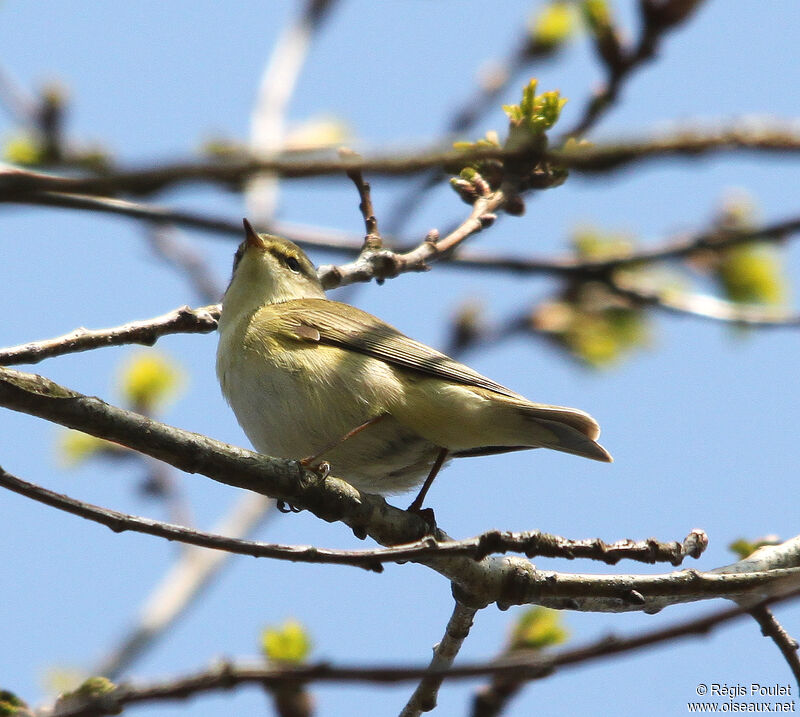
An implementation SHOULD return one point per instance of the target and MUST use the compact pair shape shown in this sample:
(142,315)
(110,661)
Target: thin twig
(226,675)
(383,264)
(444,654)
(530,543)
(372,239)
(183,320)
(770,627)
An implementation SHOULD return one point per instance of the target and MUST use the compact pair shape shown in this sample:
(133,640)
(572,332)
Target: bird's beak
(252,238)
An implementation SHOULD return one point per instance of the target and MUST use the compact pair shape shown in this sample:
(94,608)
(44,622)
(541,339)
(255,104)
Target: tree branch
(444,654)
(770,627)
(278,83)
(530,543)
(183,320)
(15,182)
(507,581)
(527,667)
(657,19)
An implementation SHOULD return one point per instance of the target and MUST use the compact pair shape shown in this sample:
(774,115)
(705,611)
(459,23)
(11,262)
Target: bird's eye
(293,264)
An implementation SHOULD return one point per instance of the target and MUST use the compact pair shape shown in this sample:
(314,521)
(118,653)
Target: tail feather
(573,417)
(572,440)
(572,430)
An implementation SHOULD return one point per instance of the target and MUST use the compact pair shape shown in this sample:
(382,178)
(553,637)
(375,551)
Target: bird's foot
(322,469)
(426,514)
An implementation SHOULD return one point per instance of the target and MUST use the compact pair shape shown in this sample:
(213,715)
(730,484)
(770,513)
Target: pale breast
(294,401)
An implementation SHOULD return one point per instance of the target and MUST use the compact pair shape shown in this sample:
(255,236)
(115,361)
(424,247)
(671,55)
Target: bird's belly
(302,414)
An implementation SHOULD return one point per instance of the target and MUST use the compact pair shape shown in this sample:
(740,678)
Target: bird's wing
(327,322)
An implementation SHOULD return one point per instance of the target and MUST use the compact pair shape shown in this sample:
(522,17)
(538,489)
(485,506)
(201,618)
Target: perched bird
(318,380)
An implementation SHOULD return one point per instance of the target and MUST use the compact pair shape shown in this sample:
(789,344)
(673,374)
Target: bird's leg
(311,460)
(416,506)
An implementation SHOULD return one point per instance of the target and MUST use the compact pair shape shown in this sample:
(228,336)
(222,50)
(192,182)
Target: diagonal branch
(444,654)
(507,581)
(658,18)
(770,627)
(278,83)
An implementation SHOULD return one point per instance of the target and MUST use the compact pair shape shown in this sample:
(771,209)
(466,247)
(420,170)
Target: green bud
(553,25)
(596,15)
(753,273)
(288,643)
(537,629)
(149,379)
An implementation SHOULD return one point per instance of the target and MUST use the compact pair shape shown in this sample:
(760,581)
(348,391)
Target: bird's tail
(564,429)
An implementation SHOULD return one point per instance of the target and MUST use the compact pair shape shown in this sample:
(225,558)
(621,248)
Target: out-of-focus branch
(165,242)
(445,652)
(20,104)
(189,574)
(781,139)
(226,675)
(704,306)
(278,82)
(658,18)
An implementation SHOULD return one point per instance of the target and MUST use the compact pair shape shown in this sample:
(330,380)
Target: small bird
(318,380)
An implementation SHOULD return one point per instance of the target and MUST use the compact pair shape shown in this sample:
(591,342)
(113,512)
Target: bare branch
(180,321)
(278,83)
(770,627)
(657,19)
(507,580)
(227,675)
(372,239)
(781,139)
(444,654)
(531,543)
(383,264)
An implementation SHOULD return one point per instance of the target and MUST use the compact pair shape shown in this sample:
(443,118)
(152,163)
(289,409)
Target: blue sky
(701,424)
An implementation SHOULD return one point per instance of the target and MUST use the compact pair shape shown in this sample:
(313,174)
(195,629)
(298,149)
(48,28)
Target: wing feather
(334,324)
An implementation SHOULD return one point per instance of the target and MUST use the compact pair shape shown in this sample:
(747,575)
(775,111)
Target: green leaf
(75,447)
(744,547)
(288,642)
